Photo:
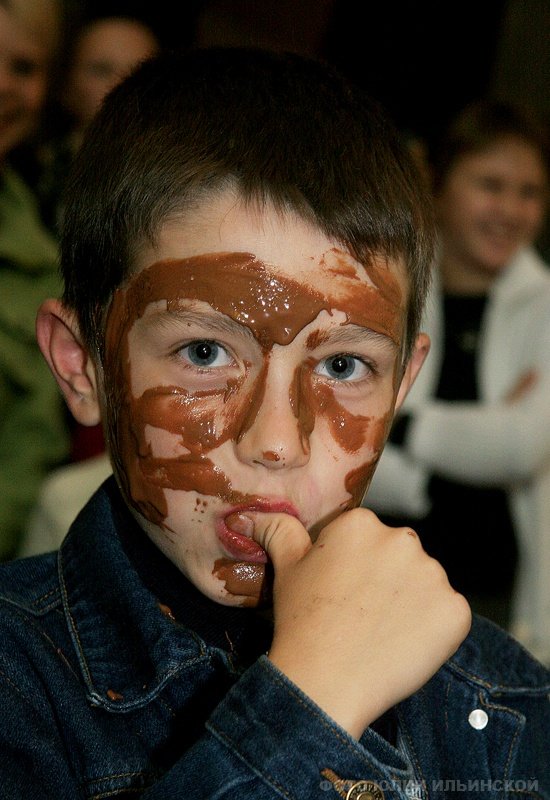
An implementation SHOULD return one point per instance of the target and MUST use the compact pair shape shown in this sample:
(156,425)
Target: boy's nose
(274,433)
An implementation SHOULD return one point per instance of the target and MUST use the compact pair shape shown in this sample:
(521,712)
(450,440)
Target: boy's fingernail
(240,524)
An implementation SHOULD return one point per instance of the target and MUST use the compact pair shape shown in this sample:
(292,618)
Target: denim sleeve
(268,740)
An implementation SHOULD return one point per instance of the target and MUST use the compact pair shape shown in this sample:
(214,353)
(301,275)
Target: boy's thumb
(282,536)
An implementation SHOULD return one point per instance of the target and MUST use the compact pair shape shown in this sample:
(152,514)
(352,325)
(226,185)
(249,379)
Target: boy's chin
(246,584)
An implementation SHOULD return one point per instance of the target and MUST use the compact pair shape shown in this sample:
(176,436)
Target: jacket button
(365,790)
(478,719)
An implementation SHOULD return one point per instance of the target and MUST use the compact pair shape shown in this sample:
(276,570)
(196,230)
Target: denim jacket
(106,692)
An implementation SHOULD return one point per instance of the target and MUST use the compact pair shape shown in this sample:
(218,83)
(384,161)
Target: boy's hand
(363,617)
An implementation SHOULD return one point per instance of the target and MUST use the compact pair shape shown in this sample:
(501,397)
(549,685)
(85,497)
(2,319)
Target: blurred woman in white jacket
(468,462)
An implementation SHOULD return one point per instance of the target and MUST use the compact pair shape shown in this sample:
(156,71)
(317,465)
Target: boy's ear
(418,356)
(59,339)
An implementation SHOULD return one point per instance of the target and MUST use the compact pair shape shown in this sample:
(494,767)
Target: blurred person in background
(468,459)
(103,51)
(33,434)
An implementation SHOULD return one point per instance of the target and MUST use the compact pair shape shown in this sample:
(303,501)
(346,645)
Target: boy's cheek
(357,479)
(343,473)
(163,443)
(357,482)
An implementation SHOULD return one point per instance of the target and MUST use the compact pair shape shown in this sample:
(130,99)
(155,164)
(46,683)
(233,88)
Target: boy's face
(251,363)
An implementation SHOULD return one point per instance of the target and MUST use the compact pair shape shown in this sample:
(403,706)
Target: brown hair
(278,126)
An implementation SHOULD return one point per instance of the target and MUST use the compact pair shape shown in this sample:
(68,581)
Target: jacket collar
(126,646)
(128,649)
(496,662)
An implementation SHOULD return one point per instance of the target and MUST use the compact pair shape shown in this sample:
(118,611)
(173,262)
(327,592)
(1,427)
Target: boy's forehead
(290,246)
(272,305)
(227,224)
(271,271)
(266,269)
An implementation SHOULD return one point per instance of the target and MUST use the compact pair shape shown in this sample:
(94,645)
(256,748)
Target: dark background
(422,59)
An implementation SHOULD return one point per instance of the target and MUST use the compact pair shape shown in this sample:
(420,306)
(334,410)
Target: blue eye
(204,353)
(342,367)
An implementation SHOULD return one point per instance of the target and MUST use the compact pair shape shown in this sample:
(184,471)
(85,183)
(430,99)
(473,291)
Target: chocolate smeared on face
(251,581)
(275,309)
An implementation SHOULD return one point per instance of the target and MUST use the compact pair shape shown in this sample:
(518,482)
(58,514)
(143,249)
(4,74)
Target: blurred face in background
(26,48)
(106,52)
(491,203)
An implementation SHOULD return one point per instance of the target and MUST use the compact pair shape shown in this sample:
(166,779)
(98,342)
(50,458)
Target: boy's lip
(241,547)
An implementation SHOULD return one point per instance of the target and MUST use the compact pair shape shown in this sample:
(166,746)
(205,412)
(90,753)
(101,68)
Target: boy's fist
(363,616)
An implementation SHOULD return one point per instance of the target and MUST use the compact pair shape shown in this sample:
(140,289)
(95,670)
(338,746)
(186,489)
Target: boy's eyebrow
(214,321)
(349,335)
(352,335)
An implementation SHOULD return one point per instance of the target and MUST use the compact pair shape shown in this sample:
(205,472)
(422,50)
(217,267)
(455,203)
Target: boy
(244,278)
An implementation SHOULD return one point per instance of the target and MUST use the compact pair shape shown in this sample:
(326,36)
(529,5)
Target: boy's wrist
(329,696)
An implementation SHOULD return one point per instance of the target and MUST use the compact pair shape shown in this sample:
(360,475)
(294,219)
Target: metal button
(365,790)
(478,719)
